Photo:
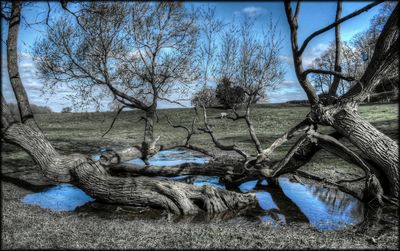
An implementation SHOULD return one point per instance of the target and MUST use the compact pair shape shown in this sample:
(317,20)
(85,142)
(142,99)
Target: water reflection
(325,208)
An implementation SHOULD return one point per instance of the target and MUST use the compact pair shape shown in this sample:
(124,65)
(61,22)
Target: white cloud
(312,53)
(251,11)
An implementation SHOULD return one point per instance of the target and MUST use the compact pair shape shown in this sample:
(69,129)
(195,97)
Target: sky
(313,16)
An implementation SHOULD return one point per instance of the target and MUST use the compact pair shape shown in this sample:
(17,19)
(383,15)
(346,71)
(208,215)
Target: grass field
(30,227)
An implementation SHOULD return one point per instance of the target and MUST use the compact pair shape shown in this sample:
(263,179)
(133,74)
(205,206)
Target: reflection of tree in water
(285,206)
(335,201)
(338,202)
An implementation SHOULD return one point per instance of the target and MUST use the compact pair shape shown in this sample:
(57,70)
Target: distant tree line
(36,109)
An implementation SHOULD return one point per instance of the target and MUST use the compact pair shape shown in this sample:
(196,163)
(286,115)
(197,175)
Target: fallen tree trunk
(376,146)
(92,177)
(209,169)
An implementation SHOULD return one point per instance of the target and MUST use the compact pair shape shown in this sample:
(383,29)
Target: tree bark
(209,169)
(25,110)
(173,196)
(148,147)
(92,177)
(376,146)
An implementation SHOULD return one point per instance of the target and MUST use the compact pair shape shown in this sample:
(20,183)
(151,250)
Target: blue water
(64,197)
(173,157)
(324,208)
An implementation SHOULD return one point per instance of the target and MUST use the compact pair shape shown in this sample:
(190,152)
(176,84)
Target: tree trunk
(376,146)
(219,169)
(149,124)
(92,177)
(25,110)
(148,147)
(52,165)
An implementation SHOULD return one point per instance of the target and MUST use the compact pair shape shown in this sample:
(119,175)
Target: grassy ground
(27,226)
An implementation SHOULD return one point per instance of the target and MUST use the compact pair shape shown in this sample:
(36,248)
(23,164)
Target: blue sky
(313,16)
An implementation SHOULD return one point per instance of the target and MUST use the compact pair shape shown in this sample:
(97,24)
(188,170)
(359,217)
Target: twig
(217,143)
(115,118)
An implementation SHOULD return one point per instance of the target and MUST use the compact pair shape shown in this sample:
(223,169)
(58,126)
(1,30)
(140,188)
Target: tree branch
(385,54)
(185,143)
(351,15)
(334,146)
(297,60)
(266,153)
(24,107)
(327,72)
(296,13)
(217,143)
(115,118)
(338,52)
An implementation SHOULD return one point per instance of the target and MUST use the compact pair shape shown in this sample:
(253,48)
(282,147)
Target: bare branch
(297,12)
(25,110)
(297,60)
(351,15)
(210,169)
(334,73)
(185,143)
(65,7)
(351,180)
(172,101)
(385,55)
(265,154)
(277,169)
(249,124)
(338,50)
(217,143)
(334,146)
(115,118)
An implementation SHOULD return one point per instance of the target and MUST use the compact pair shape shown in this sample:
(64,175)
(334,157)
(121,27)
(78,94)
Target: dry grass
(25,226)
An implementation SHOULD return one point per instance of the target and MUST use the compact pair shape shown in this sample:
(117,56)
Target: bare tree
(134,52)
(351,65)
(379,157)
(92,176)
(209,27)
(353,57)
(342,115)
(251,62)
(205,97)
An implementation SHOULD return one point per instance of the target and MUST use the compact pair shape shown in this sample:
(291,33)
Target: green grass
(27,226)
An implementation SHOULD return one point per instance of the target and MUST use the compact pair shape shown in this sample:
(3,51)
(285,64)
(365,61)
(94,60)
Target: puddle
(324,208)
(63,197)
